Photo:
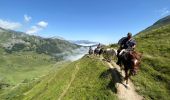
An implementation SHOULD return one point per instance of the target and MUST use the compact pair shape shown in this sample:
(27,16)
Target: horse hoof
(125,78)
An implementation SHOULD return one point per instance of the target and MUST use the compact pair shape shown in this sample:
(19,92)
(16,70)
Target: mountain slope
(87,78)
(159,24)
(13,41)
(154,78)
(163,21)
(25,57)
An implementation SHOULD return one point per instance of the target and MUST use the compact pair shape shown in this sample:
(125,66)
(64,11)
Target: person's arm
(134,44)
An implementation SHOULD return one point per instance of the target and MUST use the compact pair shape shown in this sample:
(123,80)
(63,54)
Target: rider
(90,48)
(127,43)
(99,45)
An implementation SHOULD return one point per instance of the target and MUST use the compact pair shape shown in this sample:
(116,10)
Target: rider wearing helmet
(126,43)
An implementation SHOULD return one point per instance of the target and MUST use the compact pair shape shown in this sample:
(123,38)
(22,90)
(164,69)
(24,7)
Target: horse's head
(135,61)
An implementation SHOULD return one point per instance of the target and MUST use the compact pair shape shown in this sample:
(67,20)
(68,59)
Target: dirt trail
(69,84)
(123,92)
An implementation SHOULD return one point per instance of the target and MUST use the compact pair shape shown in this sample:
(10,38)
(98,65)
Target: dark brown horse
(109,53)
(98,51)
(131,62)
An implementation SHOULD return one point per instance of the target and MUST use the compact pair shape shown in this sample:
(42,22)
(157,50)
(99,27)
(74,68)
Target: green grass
(89,83)
(153,80)
(22,89)
(21,68)
(17,67)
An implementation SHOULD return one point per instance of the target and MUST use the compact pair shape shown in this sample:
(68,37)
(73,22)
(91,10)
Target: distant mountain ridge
(160,23)
(165,20)
(58,37)
(13,41)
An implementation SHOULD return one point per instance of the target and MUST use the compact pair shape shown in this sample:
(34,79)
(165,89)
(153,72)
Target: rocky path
(124,92)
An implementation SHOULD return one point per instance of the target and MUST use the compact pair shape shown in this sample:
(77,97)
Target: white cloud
(9,25)
(164,11)
(33,30)
(42,24)
(27,18)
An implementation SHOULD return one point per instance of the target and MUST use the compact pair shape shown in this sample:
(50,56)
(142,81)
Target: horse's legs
(126,76)
(121,68)
(127,80)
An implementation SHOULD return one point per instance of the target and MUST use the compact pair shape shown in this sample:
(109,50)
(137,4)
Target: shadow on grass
(114,76)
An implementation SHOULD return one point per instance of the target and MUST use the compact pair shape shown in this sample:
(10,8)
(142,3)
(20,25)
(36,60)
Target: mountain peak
(165,20)
(58,37)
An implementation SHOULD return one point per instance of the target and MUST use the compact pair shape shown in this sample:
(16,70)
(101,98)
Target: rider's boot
(118,61)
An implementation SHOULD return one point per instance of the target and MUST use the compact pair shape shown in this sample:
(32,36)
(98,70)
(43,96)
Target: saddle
(126,52)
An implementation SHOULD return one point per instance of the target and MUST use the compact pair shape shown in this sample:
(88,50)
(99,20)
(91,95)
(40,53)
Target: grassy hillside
(160,23)
(86,78)
(17,67)
(153,80)
(22,67)
(25,57)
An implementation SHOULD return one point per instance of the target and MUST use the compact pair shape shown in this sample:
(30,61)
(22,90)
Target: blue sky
(105,21)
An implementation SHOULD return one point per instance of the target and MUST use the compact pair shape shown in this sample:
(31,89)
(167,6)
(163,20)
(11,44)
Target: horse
(90,51)
(131,62)
(98,51)
(109,53)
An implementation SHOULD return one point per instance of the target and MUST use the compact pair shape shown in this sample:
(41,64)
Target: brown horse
(131,61)
(90,51)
